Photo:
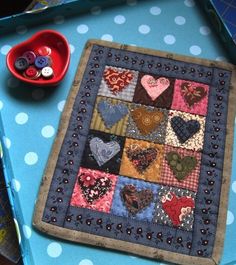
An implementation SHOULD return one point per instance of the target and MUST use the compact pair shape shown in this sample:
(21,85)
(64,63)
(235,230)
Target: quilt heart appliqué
(141,158)
(184,130)
(177,207)
(117,80)
(103,152)
(192,94)
(146,121)
(181,167)
(92,188)
(110,113)
(134,200)
(154,87)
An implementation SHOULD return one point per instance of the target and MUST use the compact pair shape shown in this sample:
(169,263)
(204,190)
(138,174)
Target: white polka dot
(131,2)
(82,29)
(21,118)
(119,19)
(234,185)
(59,20)
(195,50)
(230,218)
(221,59)
(96,10)
(21,29)
(1,104)
(13,82)
(72,48)
(155,10)
(38,94)
(31,158)
(204,30)
(5,49)
(169,39)
(7,142)
(144,29)
(86,262)
(16,184)
(47,131)
(107,37)
(27,231)
(54,250)
(60,105)
(179,20)
(189,3)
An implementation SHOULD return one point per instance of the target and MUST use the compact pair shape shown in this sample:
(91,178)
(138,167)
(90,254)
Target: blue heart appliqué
(110,113)
(103,152)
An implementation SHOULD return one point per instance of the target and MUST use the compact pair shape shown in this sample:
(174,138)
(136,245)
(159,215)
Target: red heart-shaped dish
(59,56)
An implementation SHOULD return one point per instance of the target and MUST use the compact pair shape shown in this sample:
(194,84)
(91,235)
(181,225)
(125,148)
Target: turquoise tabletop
(31,115)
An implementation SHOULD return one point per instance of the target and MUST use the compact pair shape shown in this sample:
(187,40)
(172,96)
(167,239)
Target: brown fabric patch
(163,101)
(146,121)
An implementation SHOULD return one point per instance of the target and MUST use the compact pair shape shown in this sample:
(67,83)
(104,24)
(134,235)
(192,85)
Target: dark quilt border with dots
(200,241)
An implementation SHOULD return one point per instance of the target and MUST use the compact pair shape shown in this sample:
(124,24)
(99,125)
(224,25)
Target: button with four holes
(31,73)
(41,62)
(44,51)
(30,56)
(47,72)
(21,63)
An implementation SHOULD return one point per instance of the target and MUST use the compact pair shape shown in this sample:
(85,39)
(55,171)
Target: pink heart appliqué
(154,87)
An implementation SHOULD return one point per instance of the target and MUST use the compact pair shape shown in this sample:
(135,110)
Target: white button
(47,72)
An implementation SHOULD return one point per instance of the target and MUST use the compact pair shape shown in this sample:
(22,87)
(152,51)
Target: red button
(31,72)
(44,51)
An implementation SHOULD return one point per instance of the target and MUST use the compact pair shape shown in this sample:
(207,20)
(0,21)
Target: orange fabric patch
(129,167)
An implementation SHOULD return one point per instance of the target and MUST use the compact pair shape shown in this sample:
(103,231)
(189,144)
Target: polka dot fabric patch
(140,156)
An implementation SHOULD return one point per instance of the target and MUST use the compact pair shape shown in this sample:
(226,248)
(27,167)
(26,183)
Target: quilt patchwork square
(142,158)
(185,130)
(118,83)
(147,123)
(154,90)
(190,97)
(134,199)
(103,151)
(180,168)
(94,190)
(110,116)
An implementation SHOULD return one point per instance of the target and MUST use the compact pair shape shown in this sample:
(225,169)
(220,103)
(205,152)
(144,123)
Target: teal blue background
(42,106)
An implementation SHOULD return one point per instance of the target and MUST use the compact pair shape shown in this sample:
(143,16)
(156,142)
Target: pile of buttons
(35,64)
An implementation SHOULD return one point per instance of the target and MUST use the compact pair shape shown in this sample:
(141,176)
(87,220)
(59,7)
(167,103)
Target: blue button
(21,63)
(41,62)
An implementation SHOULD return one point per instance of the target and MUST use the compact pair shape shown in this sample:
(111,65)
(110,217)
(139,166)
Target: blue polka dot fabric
(31,114)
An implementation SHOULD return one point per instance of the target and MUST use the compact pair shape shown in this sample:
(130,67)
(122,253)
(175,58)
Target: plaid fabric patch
(168,176)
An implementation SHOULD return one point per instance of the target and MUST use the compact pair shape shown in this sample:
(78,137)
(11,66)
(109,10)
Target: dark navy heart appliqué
(110,113)
(184,130)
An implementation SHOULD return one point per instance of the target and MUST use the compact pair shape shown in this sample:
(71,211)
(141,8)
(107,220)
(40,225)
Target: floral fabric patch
(94,190)
(110,116)
(190,97)
(142,159)
(175,207)
(118,83)
(185,130)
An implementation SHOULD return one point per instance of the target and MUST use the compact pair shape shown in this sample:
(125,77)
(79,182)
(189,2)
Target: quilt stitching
(210,138)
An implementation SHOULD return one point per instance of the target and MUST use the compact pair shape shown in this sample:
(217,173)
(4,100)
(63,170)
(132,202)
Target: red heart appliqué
(177,207)
(117,80)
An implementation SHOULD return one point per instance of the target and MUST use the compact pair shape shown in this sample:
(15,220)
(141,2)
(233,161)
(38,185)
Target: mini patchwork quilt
(142,159)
